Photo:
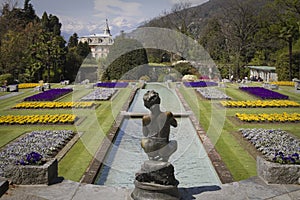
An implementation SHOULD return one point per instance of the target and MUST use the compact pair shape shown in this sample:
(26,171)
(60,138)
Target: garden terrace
(212,93)
(263,93)
(260,104)
(276,145)
(112,84)
(53,105)
(200,84)
(46,143)
(273,117)
(100,94)
(49,95)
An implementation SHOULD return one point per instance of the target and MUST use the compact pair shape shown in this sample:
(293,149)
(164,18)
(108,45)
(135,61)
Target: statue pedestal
(156,180)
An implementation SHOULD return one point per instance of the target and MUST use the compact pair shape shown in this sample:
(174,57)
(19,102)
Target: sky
(87,17)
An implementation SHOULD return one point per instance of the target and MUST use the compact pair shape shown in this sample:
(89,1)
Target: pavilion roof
(262,68)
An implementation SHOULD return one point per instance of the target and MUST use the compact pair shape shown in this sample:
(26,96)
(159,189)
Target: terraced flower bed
(283,83)
(275,145)
(112,84)
(263,93)
(49,95)
(37,119)
(212,93)
(264,117)
(28,85)
(100,94)
(53,105)
(44,143)
(260,104)
(280,163)
(200,84)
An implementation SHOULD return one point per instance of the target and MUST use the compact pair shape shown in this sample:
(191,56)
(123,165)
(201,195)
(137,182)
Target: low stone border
(221,169)
(4,186)
(33,174)
(276,173)
(67,147)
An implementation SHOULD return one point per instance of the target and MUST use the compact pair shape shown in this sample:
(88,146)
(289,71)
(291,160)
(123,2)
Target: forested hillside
(32,48)
(237,33)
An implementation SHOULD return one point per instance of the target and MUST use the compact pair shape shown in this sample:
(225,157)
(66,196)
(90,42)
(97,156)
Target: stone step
(140,115)
(4,185)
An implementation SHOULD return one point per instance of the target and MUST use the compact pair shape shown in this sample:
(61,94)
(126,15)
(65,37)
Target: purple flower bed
(49,95)
(200,84)
(264,93)
(112,84)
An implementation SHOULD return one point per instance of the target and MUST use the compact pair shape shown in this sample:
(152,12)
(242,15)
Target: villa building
(99,43)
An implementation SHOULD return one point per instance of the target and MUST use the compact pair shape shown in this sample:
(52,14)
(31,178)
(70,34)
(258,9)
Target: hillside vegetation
(237,33)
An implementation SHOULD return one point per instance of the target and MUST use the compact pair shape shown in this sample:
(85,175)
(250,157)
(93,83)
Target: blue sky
(88,16)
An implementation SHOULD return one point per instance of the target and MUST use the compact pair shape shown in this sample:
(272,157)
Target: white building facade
(266,73)
(99,43)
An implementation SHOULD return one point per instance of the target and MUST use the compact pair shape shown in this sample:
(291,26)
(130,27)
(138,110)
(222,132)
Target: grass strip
(238,160)
(77,160)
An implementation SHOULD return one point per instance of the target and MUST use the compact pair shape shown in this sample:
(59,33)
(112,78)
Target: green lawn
(220,124)
(94,128)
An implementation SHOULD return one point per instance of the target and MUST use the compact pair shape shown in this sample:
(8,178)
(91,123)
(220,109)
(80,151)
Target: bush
(282,66)
(8,78)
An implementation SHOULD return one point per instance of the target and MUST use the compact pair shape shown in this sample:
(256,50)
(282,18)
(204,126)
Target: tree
(125,55)
(283,65)
(239,25)
(73,41)
(29,12)
(214,41)
(288,26)
(75,56)
(178,19)
(83,49)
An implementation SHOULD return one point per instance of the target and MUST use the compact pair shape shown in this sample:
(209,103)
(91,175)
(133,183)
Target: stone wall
(276,173)
(33,174)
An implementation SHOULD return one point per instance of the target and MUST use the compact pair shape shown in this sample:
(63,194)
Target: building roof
(95,36)
(262,68)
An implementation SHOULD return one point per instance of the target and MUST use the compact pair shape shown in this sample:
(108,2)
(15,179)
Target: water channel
(193,167)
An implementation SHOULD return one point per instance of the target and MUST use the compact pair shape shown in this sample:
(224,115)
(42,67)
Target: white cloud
(105,8)
(120,13)
(71,24)
(121,22)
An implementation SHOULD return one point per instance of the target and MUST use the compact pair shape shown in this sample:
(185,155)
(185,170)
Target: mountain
(195,19)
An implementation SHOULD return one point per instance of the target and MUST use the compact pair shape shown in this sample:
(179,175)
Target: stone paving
(253,188)
(12,94)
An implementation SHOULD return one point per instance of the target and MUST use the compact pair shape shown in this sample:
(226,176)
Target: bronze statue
(156,179)
(156,129)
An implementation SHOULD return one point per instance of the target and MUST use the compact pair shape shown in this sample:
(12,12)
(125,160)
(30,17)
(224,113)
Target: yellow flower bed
(52,105)
(260,103)
(37,119)
(283,83)
(274,117)
(28,85)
